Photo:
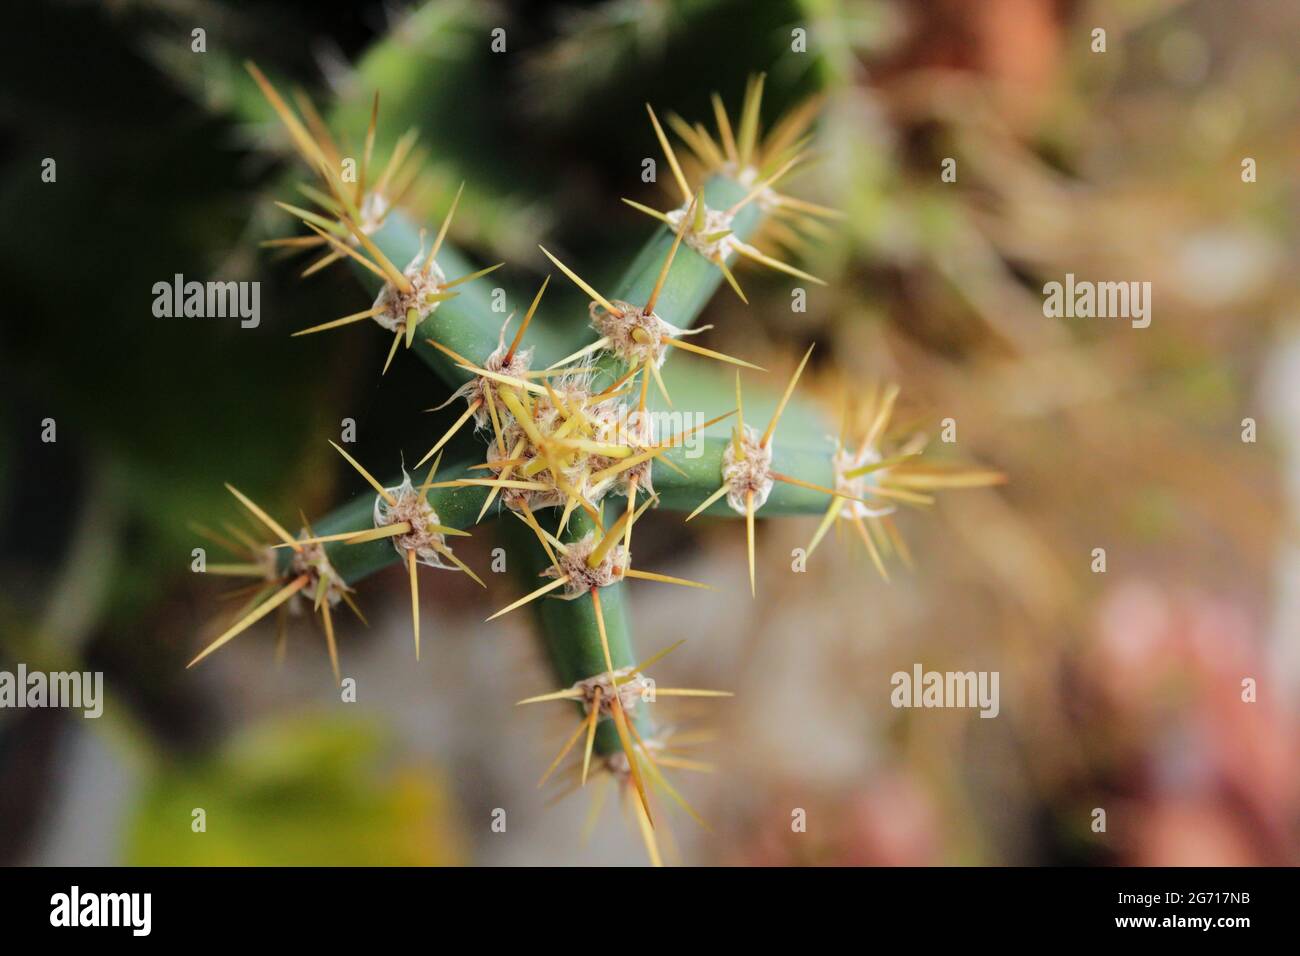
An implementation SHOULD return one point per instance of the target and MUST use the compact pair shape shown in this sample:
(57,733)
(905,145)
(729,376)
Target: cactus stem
(566,437)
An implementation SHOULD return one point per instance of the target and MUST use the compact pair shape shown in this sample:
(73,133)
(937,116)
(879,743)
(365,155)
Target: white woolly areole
(617,762)
(476,389)
(374,207)
(268,559)
(622,332)
(630,689)
(519,365)
(413,508)
(767,199)
(845,461)
(312,561)
(715,221)
(395,303)
(751,473)
(573,565)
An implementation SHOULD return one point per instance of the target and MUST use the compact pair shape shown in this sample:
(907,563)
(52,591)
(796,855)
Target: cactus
(572,459)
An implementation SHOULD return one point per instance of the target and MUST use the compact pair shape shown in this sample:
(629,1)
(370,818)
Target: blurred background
(1120,690)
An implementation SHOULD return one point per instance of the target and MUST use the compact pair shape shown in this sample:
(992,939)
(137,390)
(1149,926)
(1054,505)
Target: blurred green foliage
(308,791)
